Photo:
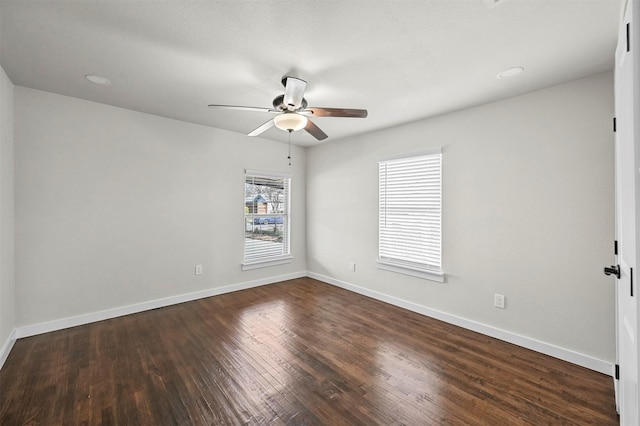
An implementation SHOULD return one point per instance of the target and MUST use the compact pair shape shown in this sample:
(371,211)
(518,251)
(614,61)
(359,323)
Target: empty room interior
(305,212)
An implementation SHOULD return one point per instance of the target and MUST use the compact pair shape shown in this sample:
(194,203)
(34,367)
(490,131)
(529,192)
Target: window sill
(414,272)
(265,263)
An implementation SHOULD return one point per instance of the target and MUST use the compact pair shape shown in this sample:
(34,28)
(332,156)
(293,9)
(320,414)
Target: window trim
(264,263)
(271,260)
(410,268)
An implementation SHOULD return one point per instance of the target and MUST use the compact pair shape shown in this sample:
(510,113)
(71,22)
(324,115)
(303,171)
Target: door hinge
(614,125)
(628,38)
(615,247)
(617,372)
(631,280)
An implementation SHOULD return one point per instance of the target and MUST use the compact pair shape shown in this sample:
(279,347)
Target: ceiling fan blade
(294,92)
(244,108)
(263,128)
(337,112)
(315,131)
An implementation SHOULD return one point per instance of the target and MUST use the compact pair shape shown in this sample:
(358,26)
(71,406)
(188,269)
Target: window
(410,215)
(266,219)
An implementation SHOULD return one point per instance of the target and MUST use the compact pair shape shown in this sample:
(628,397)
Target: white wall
(115,207)
(7,277)
(527,212)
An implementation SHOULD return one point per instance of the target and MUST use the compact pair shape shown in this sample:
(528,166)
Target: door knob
(612,270)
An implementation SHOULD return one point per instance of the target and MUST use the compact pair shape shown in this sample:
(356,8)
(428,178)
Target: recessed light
(510,72)
(98,79)
(494,3)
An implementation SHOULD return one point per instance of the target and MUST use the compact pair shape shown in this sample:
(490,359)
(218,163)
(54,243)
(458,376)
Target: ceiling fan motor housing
(278,103)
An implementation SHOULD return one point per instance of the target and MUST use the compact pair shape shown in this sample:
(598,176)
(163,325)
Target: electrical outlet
(198,269)
(498,300)
(352,266)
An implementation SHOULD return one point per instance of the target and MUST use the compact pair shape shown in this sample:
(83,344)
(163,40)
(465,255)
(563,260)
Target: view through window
(266,212)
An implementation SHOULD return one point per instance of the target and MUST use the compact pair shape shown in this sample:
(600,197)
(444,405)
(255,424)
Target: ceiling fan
(292,112)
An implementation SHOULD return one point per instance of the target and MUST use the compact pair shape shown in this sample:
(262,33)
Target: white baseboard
(568,355)
(507,336)
(6,348)
(55,325)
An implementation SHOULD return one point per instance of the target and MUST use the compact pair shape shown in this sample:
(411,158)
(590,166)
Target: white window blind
(266,211)
(410,203)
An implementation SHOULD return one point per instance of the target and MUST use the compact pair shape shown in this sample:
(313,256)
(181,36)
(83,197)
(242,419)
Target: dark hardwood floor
(299,352)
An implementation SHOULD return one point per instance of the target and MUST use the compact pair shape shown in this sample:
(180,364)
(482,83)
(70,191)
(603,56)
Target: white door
(627,106)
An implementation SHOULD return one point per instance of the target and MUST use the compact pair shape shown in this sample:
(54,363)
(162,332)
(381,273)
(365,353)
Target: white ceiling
(401,60)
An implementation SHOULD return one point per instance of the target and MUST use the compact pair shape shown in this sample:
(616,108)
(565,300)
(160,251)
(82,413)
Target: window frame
(249,263)
(385,261)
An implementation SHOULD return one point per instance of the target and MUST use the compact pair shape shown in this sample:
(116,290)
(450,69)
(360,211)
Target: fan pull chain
(289,157)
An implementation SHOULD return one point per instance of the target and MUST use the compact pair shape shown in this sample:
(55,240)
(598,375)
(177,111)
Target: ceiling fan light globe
(290,121)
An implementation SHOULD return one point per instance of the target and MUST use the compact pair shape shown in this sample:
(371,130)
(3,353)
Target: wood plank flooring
(299,352)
